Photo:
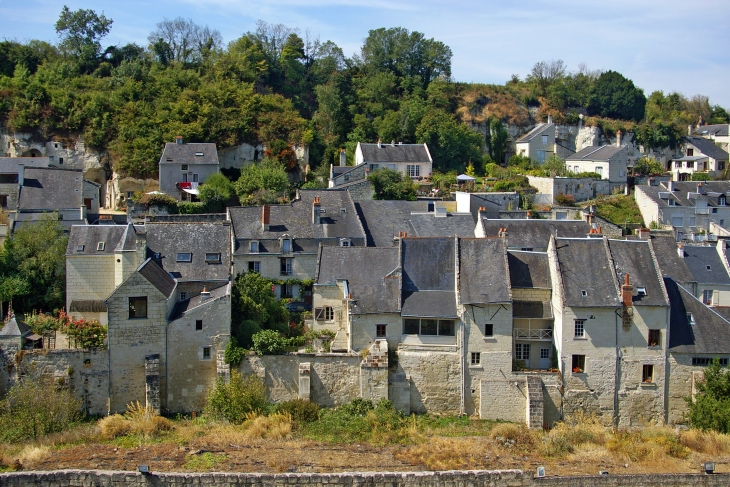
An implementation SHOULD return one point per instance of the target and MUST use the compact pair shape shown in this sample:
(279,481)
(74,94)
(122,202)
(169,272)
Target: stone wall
(435,377)
(361,191)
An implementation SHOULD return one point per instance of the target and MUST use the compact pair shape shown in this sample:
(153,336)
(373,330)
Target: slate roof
(51,189)
(711,189)
(22,219)
(372,154)
(15,328)
(157,277)
(698,259)
(383,219)
(169,239)
(529,269)
(709,334)
(429,287)
(708,148)
(451,225)
(371,275)
(595,153)
(634,257)
(532,233)
(670,263)
(9,165)
(539,129)
(585,266)
(295,219)
(720,130)
(186,153)
(196,301)
(116,238)
(483,274)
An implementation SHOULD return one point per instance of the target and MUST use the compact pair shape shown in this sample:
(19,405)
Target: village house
(412,160)
(539,143)
(491,203)
(701,155)
(717,133)
(580,189)
(184,165)
(531,234)
(610,162)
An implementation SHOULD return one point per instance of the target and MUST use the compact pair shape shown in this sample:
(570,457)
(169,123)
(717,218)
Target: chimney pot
(204,294)
(626,290)
(618,138)
(178,140)
(265,217)
(680,250)
(380,144)
(405,234)
(343,157)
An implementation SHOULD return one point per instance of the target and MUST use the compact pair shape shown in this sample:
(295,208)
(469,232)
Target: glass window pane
(410,327)
(429,327)
(446,328)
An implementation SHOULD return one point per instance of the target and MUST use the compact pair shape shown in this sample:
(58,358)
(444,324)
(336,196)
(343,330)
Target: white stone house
(717,133)
(412,160)
(701,155)
(185,165)
(608,161)
(539,143)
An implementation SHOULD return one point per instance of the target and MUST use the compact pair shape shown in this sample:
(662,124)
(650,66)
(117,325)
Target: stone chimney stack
(316,211)
(392,143)
(680,250)
(343,157)
(380,144)
(689,130)
(21,174)
(626,291)
(178,140)
(644,233)
(204,294)
(550,119)
(265,217)
(580,121)
(618,138)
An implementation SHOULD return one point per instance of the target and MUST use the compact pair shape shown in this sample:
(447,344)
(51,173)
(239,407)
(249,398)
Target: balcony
(537,334)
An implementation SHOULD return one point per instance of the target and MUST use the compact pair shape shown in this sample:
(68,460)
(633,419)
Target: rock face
(62,153)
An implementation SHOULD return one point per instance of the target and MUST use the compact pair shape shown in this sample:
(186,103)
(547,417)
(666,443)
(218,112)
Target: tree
(497,140)
(545,73)
(81,32)
(710,409)
(648,166)
(390,184)
(216,191)
(255,308)
(183,40)
(262,182)
(616,97)
(554,166)
(451,145)
(719,115)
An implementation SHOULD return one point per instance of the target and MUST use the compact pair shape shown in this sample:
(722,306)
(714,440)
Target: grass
(204,462)
(618,209)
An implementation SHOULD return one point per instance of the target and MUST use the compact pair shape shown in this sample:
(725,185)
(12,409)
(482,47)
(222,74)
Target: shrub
(114,426)
(358,407)
(272,427)
(233,400)
(299,410)
(701,176)
(268,342)
(565,199)
(514,434)
(138,419)
(711,408)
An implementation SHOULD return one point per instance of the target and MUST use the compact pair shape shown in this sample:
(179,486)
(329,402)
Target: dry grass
(138,420)
(513,434)
(705,441)
(274,427)
(114,426)
(447,454)
(33,453)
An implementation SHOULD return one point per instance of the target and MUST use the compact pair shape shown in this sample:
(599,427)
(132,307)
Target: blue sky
(667,45)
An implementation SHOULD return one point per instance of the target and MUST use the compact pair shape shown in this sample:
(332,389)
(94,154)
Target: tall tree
(615,96)
(183,40)
(81,32)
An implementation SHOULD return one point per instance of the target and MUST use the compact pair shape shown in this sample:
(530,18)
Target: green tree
(553,166)
(392,185)
(710,409)
(262,182)
(719,115)
(497,140)
(648,166)
(81,32)
(255,308)
(451,145)
(616,97)
(216,191)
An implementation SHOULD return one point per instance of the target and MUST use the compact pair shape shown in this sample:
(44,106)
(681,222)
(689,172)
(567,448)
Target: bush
(711,408)
(272,427)
(358,407)
(701,176)
(299,410)
(268,342)
(138,419)
(232,401)
(114,426)
(565,199)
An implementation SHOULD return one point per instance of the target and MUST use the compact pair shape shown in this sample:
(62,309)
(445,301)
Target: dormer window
(721,200)
(641,291)
(184,257)
(286,245)
(690,319)
(79,248)
(100,246)
(213,257)
(709,268)
(254,247)
(690,152)
(345,242)
(184,167)
(672,202)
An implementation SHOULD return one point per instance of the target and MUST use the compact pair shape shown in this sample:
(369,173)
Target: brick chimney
(178,140)
(316,211)
(644,233)
(265,217)
(626,291)
(343,157)
(618,138)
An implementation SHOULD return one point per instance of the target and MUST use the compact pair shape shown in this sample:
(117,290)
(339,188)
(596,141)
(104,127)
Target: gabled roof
(15,328)
(534,233)
(383,219)
(670,263)
(386,153)
(539,129)
(708,148)
(706,265)
(157,277)
(450,225)
(587,273)
(9,165)
(189,153)
(51,189)
(709,334)
(85,239)
(429,284)
(718,130)
(483,274)
(166,240)
(371,273)
(711,190)
(634,257)
(195,302)
(529,269)
(595,153)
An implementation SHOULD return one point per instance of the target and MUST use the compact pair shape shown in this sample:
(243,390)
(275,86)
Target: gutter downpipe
(617,380)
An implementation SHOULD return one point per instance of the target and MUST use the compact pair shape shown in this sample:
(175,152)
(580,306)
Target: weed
(446,454)
(512,435)
(272,427)
(204,462)
(300,410)
(114,426)
(138,420)
(705,441)
(233,400)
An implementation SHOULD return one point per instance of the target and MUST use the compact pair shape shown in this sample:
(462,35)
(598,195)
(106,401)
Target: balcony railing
(533,333)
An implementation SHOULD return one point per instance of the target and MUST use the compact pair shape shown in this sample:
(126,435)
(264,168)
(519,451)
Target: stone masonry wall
(435,377)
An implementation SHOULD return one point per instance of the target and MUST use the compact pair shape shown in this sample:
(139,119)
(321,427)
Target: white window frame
(475,359)
(287,268)
(579,328)
(100,246)
(256,266)
(413,170)
(324,313)
(213,257)
(522,351)
(253,247)
(184,257)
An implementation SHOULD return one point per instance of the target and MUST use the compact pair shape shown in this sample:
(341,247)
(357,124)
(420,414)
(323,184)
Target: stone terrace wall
(504,478)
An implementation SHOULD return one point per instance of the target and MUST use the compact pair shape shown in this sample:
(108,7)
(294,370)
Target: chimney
(405,234)
(343,157)
(316,211)
(644,233)
(265,217)
(689,130)
(550,119)
(700,123)
(204,294)
(626,291)
(618,138)
(178,140)
(580,121)
(670,185)
(380,144)
(21,174)
(680,250)
(392,143)
(699,188)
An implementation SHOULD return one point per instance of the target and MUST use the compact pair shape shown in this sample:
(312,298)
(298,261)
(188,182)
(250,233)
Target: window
(705,361)
(195,178)
(544,353)
(690,152)
(254,266)
(527,249)
(324,314)
(138,307)
(544,139)
(414,170)
(8,178)
(476,358)
(286,245)
(428,327)
(489,330)
(3,200)
(345,242)
(641,291)
(79,248)
(647,373)
(183,296)
(690,164)
(692,221)
(690,319)
(672,202)
(55,146)
(380,330)
(185,177)
(599,170)
(579,364)
(655,338)
(206,353)
(198,325)
(374,167)
(285,267)
(714,210)
(60,160)
(213,257)
(584,293)
(541,156)
(721,200)
(720,165)
(184,167)
(580,328)
(707,295)
(184,257)
(677,221)
(100,246)
(254,247)
(286,290)
(678,164)
(522,351)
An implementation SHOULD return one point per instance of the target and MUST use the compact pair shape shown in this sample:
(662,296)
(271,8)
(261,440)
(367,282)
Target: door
(545,358)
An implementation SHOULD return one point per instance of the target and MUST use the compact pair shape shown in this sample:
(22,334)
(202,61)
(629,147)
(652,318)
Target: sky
(667,45)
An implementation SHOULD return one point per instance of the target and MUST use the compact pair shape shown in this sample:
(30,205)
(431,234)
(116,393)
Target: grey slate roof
(295,219)
(594,153)
(429,285)
(9,165)
(709,334)
(720,130)
(670,263)
(372,154)
(15,328)
(371,275)
(116,238)
(169,239)
(634,257)
(698,259)
(196,301)
(711,189)
(539,129)
(382,220)
(584,266)
(22,219)
(529,269)
(533,233)
(186,153)
(708,148)
(157,277)
(452,225)
(483,271)
(51,189)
